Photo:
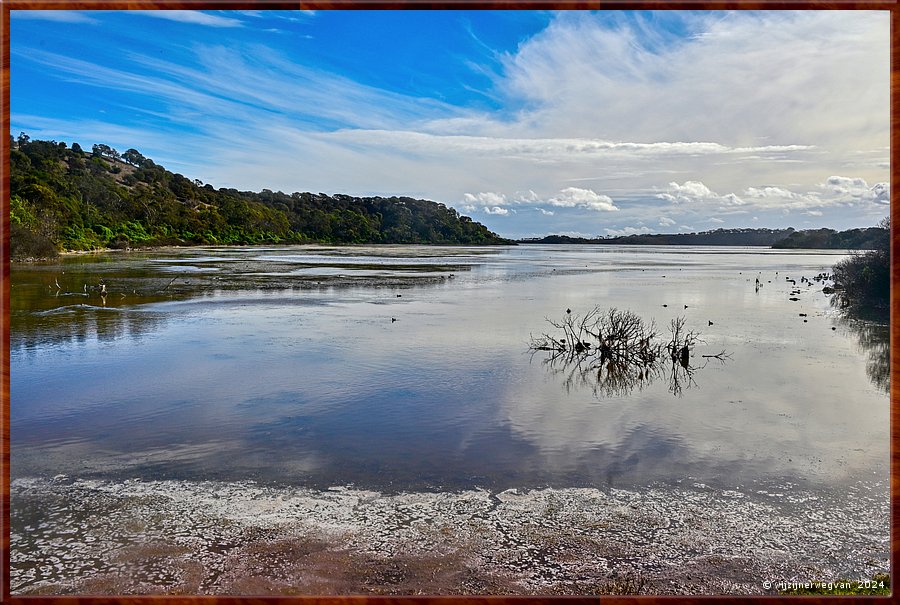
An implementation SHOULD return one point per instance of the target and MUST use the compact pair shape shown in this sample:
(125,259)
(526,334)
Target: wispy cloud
(51,15)
(192,17)
(732,75)
(551,149)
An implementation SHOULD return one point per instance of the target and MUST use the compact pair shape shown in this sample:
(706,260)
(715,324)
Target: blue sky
(532,122)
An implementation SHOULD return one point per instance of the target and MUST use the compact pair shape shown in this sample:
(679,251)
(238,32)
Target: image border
(6,6)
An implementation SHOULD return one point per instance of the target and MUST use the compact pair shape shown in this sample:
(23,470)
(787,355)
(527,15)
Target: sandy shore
(86,536)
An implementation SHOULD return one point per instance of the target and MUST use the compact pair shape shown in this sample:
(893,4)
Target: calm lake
(408,369)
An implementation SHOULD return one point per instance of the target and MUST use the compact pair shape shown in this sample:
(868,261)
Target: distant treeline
(70,199)
(854,239)
(870,238)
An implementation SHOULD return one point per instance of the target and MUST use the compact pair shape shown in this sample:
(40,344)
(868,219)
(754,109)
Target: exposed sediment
(85,536)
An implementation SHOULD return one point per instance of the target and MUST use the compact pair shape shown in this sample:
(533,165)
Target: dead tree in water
(616,351)
(619,336)
(681,342)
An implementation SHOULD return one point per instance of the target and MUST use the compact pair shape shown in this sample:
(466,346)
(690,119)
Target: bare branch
(616,351)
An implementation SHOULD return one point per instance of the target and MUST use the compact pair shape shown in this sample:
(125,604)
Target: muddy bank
(76,536)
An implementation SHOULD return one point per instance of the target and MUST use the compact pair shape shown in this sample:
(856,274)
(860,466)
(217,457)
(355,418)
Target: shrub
(863,281)
(25,244)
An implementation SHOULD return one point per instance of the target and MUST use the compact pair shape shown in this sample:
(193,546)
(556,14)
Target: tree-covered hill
(65,198)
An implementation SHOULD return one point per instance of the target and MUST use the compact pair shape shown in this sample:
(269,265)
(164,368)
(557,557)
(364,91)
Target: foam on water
(71,536)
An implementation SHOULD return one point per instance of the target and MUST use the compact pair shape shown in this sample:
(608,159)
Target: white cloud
(849,189)
(526,196)
(727,84)
(665,221)
(546,212)
(574,234)
(496,210)
(485,197)
(769,192)
(627,231)
(193,17)
(572,197)
(713,219)
(813,212)
(691,192)
(771,196)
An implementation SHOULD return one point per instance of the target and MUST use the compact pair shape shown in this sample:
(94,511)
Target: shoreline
(175,247)
(181,537)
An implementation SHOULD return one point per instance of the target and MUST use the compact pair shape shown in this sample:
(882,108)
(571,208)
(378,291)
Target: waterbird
(685,306)
(568,310)
(393,319)
(665,305)
(710,323)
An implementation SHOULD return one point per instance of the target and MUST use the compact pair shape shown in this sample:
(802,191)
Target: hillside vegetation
(69,199)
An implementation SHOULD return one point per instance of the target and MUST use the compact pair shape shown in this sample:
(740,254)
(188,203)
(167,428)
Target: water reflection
(622,379)
(78,324)
(614,352)
(874,340)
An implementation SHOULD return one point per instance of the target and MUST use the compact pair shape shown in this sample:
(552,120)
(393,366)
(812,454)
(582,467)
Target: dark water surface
(283,365)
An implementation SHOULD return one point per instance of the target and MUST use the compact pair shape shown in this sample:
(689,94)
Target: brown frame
(6,5)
